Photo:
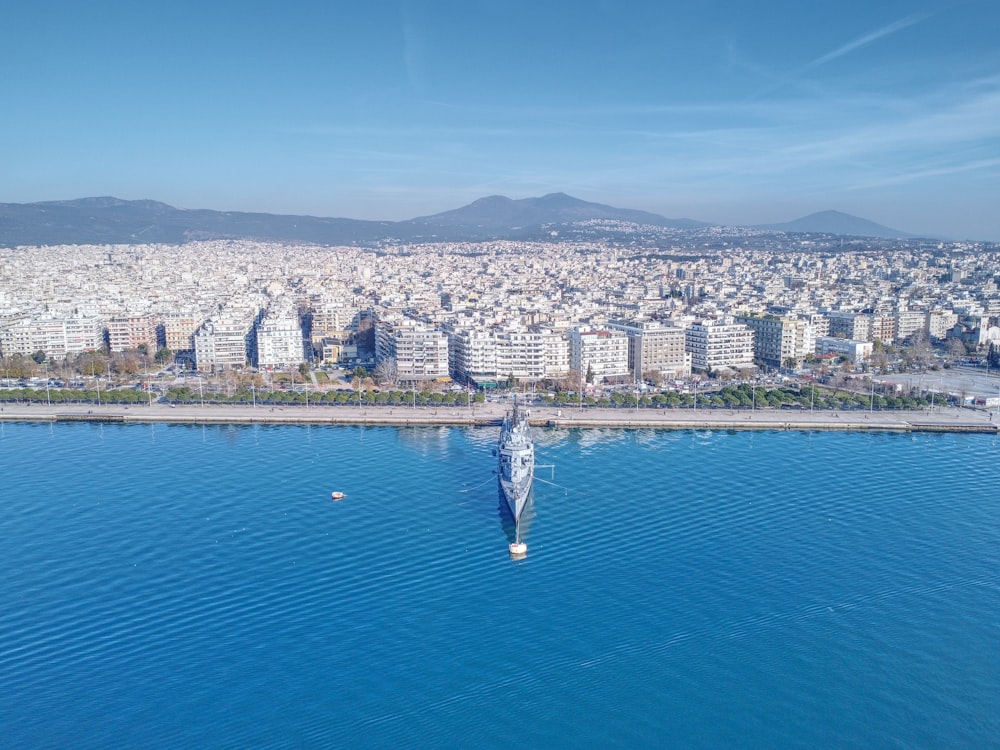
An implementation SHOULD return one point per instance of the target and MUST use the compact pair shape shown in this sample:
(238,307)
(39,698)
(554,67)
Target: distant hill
(836,222)
(114,221)
(498,214)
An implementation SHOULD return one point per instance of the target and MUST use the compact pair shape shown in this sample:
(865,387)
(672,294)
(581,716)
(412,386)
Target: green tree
(590,374)
(38,357)
(163,355)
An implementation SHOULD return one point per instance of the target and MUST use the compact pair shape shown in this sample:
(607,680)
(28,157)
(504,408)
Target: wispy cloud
(923,174)
(866,39)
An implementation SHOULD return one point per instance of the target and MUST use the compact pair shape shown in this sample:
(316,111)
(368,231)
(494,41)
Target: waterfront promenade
(943,419)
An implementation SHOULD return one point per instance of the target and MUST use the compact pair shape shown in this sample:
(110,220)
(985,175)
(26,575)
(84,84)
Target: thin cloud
(923,174)
(866,39)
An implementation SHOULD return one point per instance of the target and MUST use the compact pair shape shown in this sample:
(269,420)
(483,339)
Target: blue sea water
(195,586)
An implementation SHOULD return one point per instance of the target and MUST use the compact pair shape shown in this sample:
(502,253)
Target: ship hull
(516,460)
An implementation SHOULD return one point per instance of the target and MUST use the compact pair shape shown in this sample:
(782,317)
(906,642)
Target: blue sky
(724,111)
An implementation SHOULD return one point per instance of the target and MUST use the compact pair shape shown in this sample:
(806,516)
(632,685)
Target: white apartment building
(713,344)
(225,342)
(279,342)
(909,322)
(602,352)
(57,337)
(779,341)
(654,347)
(129,331)
(334,318)
(420,353)
(476,355)
(521,354)
(850,325)
(556,352)
(939,322)
(472,354)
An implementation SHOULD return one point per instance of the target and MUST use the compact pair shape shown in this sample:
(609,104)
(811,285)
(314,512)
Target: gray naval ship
(516,459)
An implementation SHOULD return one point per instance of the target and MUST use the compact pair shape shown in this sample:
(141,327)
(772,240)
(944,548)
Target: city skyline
(720,113)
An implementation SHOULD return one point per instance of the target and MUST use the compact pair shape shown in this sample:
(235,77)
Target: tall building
(472,355)
(521,354)
(850,325)
(714,344)
(492,355)
(179,329)
(654,347)
(909,322)
(279,341)
(603,352)
(940,322)
(57,337)
(420,353)
(556,349)
(130,331)
(779,341)
(226,341)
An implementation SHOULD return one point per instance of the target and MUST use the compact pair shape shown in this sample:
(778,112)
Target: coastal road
(939,418)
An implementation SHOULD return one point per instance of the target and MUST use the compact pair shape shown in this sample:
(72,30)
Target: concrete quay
(937,420)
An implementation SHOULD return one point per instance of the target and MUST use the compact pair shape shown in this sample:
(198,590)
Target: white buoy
(336,495)
(518,549)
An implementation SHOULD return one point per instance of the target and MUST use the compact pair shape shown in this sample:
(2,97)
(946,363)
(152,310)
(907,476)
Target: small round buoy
(336,495)
(518,549)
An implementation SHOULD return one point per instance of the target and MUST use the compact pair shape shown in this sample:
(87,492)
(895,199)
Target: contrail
(868,38)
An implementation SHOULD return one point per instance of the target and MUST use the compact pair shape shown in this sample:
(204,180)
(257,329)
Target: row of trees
(729,397)
(746,396)
(73,396)
(84,364)
(185,395)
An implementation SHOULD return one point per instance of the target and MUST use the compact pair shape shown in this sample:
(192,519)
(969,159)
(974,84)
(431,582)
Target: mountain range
(115,221)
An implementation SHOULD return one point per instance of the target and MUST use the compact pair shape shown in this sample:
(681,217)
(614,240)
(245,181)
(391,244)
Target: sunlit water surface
(188,586)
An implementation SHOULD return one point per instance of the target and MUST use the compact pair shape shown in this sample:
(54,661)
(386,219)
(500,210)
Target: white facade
(778,341)
(713,344)
(57,337)
(939,322)
(602,352)
(279,342)
(856,351)
(472,353)
(909,322)
(224,342)
(521,354)
(556,348)
(420,353)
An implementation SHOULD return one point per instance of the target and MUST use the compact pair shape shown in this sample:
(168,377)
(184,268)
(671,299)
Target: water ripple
(716,587)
